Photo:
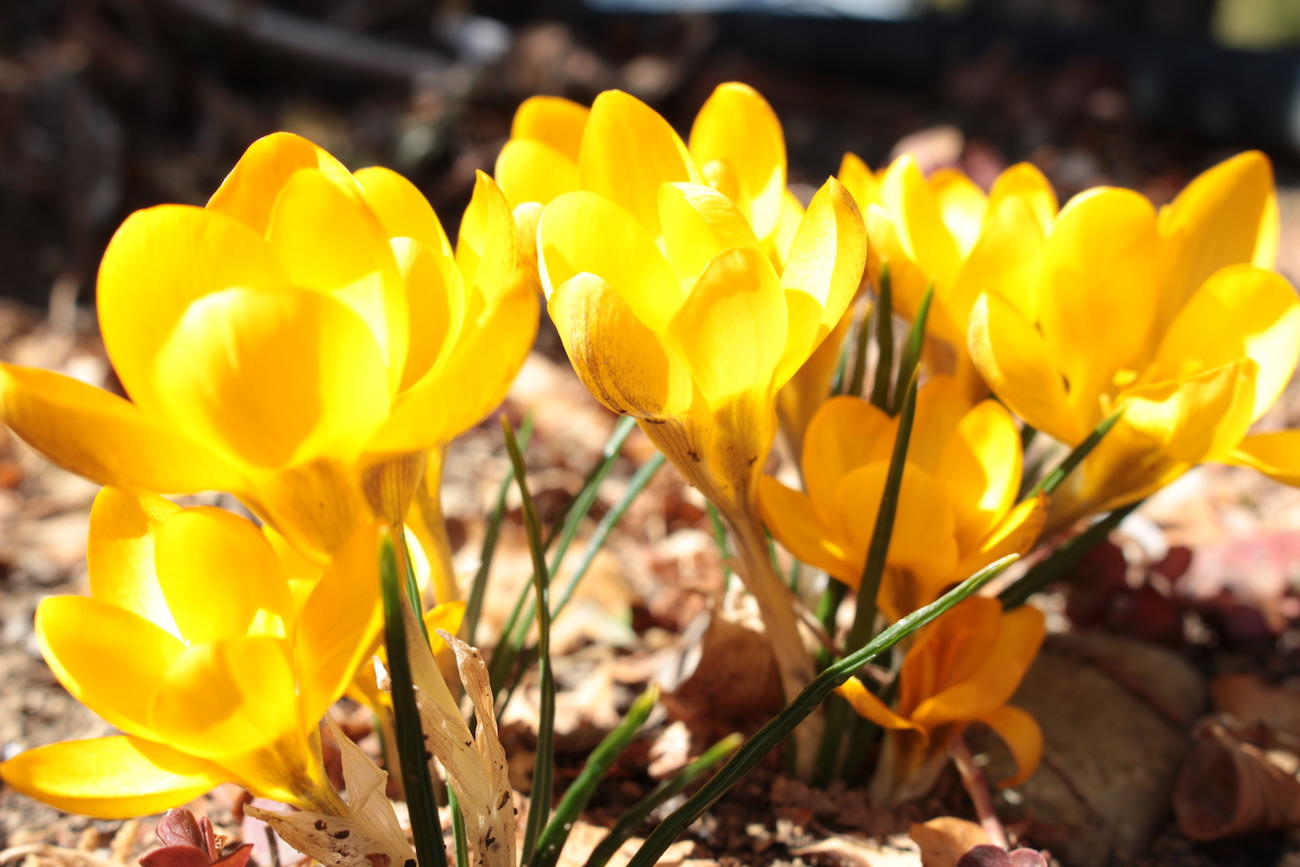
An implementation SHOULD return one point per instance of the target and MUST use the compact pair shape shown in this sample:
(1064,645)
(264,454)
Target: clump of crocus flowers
(311,340)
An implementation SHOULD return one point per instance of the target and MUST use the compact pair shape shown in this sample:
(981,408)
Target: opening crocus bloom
(957,509)
(1174,317)
(197,645)
(963,668)
(305,328)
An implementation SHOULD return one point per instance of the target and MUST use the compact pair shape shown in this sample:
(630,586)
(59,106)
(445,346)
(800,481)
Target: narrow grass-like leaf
(540,799)
(593,771)
(631,820)
(478,589)
(458,830)
(1050,482)
(1062,560)
(776,729)
(426,828)
(911,355)
(720,537)
(884,313)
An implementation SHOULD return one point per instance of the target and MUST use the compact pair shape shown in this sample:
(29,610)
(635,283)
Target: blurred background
(111,105)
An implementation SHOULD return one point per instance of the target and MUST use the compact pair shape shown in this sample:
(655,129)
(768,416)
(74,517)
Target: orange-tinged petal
(738,128)
(1226,216)
(698,223)
(403,211)
(628,150)
(110,659)
(805,392)
(940,405)
(962,206)
(1276,455)
(791,518)
(118,777)
(120,553)
(316,506)
(533,171)
(859,180)
(623,363)
(731,331)
(274,378)
(106,439)
(1013,358)
(1240,312)
(1025,182)
(220,577)
(1015,533)
(866,704)
(552,120)
(845,433)
(249,192)
(981,467)
(158,262)
(227,698)
(585,233)
(948,651)
(444,617)
(1023,737)
(329,240)
(907,279)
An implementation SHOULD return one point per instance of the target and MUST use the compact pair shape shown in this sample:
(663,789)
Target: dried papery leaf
(1228,787)
(367,836)
(497,837)
(945,840)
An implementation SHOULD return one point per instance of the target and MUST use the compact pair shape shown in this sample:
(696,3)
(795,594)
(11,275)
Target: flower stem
(977,786)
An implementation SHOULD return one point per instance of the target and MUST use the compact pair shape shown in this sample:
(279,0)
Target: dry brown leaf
(1248,698)
(1228,788)
(851,850)
(944,840)
(585,837)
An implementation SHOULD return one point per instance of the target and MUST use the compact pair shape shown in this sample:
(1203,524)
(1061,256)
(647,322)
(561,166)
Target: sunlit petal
(791,518)
(120,553)
(738,128)
(1023,737)
(249,192)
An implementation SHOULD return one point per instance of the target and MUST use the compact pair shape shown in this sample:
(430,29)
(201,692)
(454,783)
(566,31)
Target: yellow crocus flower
(1174,317)
(963,668)
(193,645)
(957,508)
(306,332)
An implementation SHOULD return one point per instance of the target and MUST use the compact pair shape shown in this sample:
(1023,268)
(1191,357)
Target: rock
(1116,715)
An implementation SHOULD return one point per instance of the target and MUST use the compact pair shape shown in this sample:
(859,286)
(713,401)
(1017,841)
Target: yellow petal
(925,238)
(159,261)
(106,439)
(791,518)
(316,506)
(737,128)
(249,192)
(1025,182)
(1226,216)
(846,433)
(1099,277)
(981,466)
(623,363)
(435,301)
(859,180)
(948,651)
(109,658)
(799,399)
(731,331)
(220,577)
(1013,358)
(1197,418)
(940,405)
(227,698)
(117,777)
(962,206)
(698,223)
(120,553)
(908,280)
(1015,533)
(274,378)
(628,150)
(1276,455)
(1023,737)
(552,120)
(1005,261)
(585,233)
(866,704)
(1240,312)
(533,171)
(403,211)
(445,617)
(487,247)
(329,240)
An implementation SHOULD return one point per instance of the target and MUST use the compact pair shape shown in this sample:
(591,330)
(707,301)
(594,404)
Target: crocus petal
(941,653)
(737,127)
(339,624)
(1005,260)
(436,302)
(867,705)
(120,553)
(316,506)
(1099,277)
(109,658)
(925,238)
(940,406)
(628,150)
(585,233)
(220,576)
(1276,455)
(962,205)
(981,466)
(552,120)
(845,433)
(249,192)
(1226,216)
(159,261)
(1251,313)
(533,171)
(1023,737)
(622,362)
(1025,182)
(106,439)
(1013,358)
(791,518)
(403,211)
(859,180)
(1015,533)
(731,331)
(487,247)
(274,378)
(698,223)
(228,698)
(117,777)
